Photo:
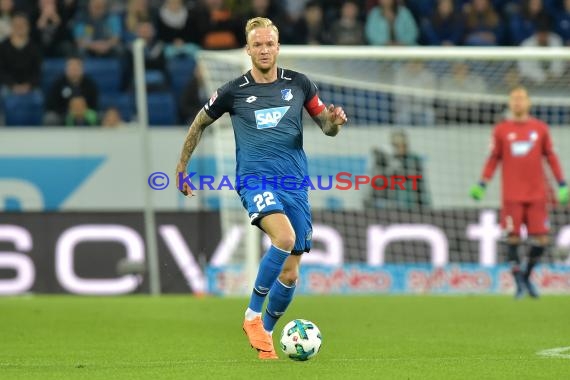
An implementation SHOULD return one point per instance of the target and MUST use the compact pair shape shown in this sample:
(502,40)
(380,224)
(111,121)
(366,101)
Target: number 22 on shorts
(264,200)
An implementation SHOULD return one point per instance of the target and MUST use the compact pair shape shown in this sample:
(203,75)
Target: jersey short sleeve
(309,87)
(313,104)
(220,102)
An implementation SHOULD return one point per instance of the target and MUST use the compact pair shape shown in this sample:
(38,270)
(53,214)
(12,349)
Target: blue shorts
(294,204)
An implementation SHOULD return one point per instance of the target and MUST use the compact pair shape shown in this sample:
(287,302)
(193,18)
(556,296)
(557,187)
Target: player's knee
(284,241)
(289,276)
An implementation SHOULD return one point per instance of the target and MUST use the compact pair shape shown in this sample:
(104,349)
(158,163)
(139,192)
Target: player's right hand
(477,192)
(185,189)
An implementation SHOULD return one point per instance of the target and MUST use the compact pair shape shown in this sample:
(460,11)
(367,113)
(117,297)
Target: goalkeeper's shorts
(534,215)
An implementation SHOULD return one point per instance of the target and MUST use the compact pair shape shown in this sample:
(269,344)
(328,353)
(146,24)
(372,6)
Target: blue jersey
(267,123)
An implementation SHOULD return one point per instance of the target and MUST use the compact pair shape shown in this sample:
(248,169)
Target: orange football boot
(258,337)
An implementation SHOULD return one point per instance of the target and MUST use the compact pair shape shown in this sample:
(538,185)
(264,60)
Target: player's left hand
(563,195)
(337,115)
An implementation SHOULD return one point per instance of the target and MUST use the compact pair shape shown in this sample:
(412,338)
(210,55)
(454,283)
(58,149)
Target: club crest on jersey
(270,117)
(533,136)
(286,94)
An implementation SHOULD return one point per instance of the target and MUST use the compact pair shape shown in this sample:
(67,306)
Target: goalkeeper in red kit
(521,143)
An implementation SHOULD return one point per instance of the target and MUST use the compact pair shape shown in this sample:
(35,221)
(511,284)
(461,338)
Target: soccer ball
(301,340)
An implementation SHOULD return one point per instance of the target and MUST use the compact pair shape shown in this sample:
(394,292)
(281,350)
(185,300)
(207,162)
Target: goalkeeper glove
(563,194)
(478,191)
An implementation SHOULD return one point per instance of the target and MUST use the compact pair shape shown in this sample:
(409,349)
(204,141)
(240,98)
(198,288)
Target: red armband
(315,106)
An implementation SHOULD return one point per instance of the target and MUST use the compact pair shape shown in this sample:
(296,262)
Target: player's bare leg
(282,235)
(535,253)
(513,243)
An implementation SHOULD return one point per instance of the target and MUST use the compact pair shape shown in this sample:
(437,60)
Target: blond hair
(259,22)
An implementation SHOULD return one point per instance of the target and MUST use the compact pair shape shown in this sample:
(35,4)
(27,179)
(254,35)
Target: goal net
(420,111)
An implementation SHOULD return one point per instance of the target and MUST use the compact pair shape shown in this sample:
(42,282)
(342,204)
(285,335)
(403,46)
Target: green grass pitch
(364,337)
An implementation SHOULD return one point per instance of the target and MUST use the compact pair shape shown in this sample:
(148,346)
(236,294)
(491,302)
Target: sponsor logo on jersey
(286,94)
(270,117)
(253,216)
(309,235)
(511,136)
(251,99)
(521,148)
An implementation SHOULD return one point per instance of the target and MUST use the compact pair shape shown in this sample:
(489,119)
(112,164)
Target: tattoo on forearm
(324,121)
(200,123)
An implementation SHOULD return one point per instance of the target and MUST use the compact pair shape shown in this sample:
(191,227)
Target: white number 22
(262,201)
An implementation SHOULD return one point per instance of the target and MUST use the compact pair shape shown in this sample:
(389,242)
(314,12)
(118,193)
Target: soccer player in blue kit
(266,106)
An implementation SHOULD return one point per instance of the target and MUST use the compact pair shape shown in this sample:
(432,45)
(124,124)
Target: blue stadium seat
(24,110)
(181,70)
(52,68)
(125,103)
(162,109)
(106,72)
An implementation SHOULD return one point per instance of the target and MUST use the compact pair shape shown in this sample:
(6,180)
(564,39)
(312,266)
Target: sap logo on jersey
(521,148)
(270,117)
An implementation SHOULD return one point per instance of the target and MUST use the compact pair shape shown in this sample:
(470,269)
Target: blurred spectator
(217,26)
(348,30)
(173,23)
(563,22)
(539,72)
(98,32)
(154,58)
(522,24)
(50,30)
(390,23)
(6,12)
(112,119)
(295,8)
(310,28)
(138,11)
(20,62)
(402,162)
(482,24)
(410,108)
(79,114)
(175,27)
(445,26)
(462,81)
(73,82)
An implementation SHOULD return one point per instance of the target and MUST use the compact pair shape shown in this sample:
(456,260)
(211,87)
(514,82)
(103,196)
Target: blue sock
(279,298)
(269,269)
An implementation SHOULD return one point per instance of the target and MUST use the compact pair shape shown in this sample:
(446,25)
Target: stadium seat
(125,103)
(162,109)
(24,110)
(106,72)
(52,68)
(181,70)
(156,81)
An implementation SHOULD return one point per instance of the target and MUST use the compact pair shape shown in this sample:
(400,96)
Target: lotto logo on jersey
(270,117)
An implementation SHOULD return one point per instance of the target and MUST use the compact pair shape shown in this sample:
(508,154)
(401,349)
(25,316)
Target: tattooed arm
(331,120)
(201,121)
